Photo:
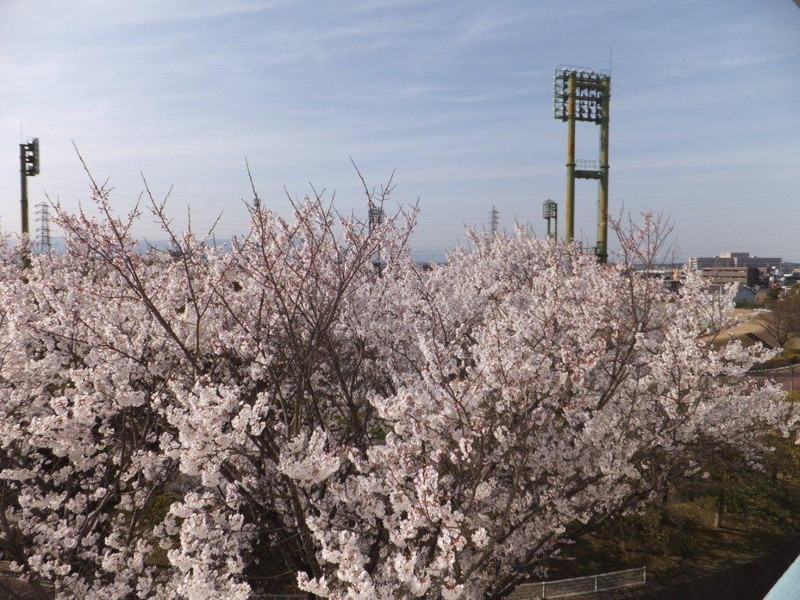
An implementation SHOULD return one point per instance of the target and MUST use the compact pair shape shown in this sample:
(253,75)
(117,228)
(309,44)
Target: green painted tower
(583,95)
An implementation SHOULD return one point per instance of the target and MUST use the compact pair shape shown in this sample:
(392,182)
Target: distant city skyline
(455,97)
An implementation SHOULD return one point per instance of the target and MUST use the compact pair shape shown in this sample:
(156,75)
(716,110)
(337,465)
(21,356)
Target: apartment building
(733,260)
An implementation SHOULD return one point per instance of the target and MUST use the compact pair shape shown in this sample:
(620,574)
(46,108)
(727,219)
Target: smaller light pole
(550,212)
(28,167)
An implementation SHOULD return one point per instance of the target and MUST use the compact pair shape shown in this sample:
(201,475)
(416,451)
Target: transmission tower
(494,220)
(43,230)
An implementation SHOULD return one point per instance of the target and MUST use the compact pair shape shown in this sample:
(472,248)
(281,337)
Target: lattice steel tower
(43,214)
(494,220)
(583,95)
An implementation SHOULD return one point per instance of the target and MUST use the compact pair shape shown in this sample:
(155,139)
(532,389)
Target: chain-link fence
(565,588)
(562,588)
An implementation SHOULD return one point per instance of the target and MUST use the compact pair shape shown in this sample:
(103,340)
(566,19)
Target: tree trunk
(720,510)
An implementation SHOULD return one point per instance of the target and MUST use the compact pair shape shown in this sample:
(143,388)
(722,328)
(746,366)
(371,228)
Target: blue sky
(454,96)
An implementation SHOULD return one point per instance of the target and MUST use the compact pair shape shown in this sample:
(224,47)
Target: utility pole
(494,221)
(28,167)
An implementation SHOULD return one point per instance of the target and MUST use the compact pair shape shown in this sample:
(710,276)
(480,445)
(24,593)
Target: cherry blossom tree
(388,432)
(535,388)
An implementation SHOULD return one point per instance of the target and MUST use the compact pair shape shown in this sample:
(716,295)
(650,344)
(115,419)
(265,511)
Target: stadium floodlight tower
(583,95)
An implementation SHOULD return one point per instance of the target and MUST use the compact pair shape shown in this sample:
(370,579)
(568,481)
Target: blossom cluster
(312,397)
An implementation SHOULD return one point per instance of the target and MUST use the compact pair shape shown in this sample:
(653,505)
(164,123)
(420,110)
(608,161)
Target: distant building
(733,259)
(749,276)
